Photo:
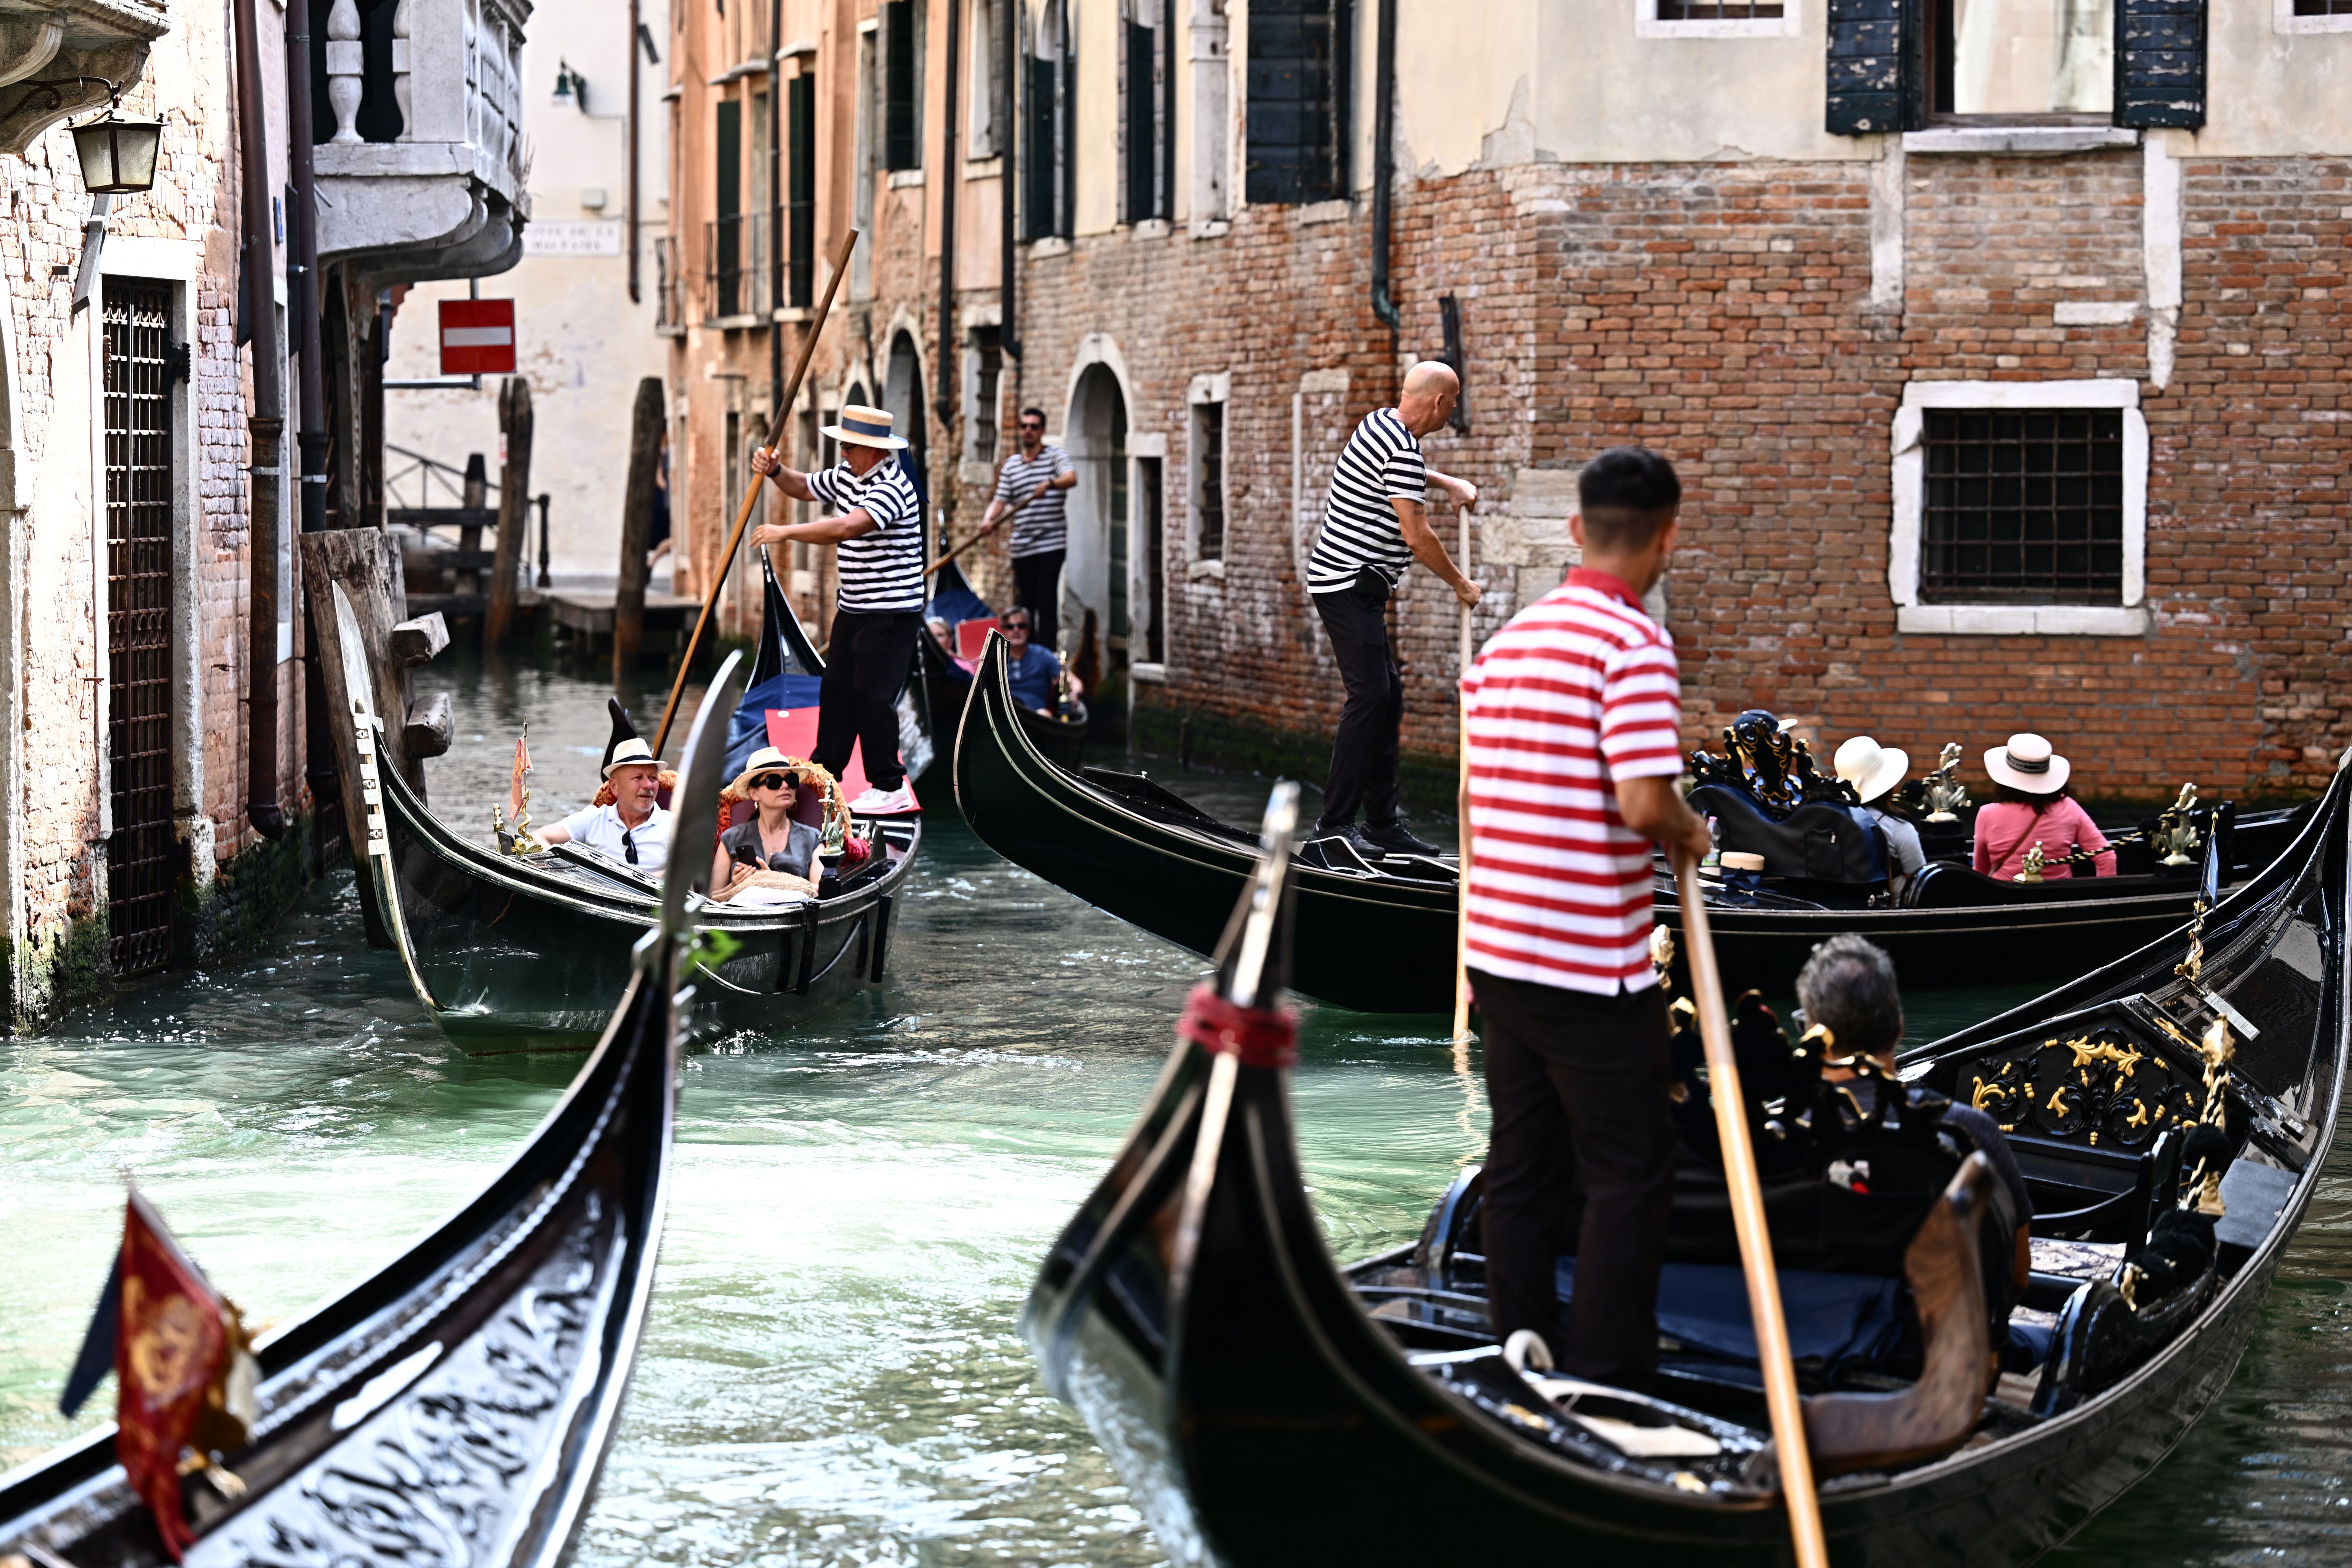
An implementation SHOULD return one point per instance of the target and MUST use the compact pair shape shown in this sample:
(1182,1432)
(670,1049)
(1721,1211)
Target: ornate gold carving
(2102,1086)
(2031,871)
(2175,832)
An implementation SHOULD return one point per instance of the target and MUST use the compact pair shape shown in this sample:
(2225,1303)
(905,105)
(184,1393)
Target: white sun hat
(864,426)
(1871,768)
(632,752)
(2027,763)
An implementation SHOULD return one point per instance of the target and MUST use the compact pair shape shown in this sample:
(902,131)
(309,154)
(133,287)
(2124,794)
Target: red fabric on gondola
(173,1346)
(1261,1037)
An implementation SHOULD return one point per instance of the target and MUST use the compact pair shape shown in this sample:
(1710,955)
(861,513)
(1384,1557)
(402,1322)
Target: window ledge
(1051,244)
(2024,620)
(983,168)
(1199,570)
(1208,227)
(1339,209)
(2018,141)
(1148,228)
(975,470)
(793,315)
(734,324)
(1148,674)
(902,178)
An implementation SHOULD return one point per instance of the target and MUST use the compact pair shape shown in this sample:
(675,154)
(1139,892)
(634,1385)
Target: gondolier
(1374,526)
(1574,726)
(878,538)
(1031,488)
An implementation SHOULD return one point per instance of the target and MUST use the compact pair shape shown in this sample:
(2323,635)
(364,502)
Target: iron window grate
(2023,505)
(1717,10)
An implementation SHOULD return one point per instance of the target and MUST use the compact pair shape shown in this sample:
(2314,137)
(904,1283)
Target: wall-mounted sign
(477,337)
(571,236)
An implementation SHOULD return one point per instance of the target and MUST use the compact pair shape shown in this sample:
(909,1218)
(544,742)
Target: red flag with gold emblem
(516,789)
(182,1371)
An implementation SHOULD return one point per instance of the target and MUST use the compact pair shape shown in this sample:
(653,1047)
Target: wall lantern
(571,88)
(118,156)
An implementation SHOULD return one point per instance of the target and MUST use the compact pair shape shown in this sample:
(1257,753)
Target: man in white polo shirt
(633,830)
(1574,713)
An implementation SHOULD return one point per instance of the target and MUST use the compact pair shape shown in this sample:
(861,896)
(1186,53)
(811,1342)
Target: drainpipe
(303,236)
(943,372)
(1008,163)
(776,214)
(266,424)
(1383,159)
(630,220)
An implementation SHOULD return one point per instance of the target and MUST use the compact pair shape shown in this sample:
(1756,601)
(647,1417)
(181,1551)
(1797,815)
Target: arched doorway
(1095,576)
(902,394)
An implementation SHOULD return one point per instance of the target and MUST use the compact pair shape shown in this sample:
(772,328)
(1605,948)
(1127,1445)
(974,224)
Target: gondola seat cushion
(1818,841)
(1836,1321)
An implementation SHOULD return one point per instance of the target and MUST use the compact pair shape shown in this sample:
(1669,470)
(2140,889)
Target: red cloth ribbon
(173,1344)
(1261,1037)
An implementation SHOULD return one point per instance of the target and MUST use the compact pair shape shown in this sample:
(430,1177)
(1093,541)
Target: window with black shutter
(1048,126)
(800,187)
(1297,121)
(1146,165)
(2022,506)
(1894,64)
(901,82)
(2160,62)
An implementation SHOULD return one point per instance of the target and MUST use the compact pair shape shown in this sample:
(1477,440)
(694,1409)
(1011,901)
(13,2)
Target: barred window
(2323,7)
(1717,10)
(2022,506)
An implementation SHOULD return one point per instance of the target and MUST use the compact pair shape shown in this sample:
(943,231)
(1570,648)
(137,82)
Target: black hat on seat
(624,735)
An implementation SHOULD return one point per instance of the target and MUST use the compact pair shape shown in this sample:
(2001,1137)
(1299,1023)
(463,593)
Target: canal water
(831,1374)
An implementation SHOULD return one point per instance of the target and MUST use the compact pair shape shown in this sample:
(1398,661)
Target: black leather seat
(1816,841)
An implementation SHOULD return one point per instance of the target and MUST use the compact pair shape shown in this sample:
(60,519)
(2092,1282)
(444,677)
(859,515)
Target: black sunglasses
(1016,625)
(1031,424)
(773,781)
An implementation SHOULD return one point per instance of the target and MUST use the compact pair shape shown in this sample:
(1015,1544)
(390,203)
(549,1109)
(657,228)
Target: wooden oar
(1461,807)
(984,532)
(1748,1219)
(751,491)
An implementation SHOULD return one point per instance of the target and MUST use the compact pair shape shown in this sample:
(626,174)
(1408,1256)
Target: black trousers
(1364,753)
(1038,588)
(864,667)
(1579,1085)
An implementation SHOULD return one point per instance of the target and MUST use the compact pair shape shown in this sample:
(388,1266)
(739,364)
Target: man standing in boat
(1030,486)
(1573,713)
(1375,524)
(878,538)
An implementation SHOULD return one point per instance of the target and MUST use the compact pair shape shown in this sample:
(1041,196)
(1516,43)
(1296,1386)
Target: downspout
(776,213)
(629,222)
(303,236)
(943,372)
(1383,158)
(266,425)
(1008,164)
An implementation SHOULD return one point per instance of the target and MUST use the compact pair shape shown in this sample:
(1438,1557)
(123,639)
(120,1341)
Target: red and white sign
(477,337)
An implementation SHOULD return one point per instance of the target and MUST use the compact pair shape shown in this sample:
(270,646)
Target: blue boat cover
(953,599)
(1834,1320)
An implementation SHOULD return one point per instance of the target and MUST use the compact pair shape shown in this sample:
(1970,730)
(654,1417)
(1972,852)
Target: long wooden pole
(1747,1220)
(751,491)
(1462,808)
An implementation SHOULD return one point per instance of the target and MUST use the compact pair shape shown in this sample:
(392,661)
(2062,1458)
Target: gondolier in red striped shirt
(1574,713)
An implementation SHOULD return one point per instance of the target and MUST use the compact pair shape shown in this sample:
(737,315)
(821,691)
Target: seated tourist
(1035,669)
(2033,804)
(633,829)
(1874,771)
(941,632)
(770,855)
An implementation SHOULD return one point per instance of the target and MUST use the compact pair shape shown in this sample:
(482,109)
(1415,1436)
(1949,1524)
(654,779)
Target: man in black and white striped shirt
(1030,485)
(1374,526)
(878,538)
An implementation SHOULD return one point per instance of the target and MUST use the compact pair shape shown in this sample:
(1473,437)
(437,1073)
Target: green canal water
(831,1374)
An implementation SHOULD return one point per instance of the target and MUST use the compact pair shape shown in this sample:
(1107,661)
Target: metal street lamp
(118,156)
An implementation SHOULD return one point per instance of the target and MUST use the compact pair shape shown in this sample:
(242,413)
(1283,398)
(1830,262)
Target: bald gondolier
(877,536)
(1375,524)
(1031,486)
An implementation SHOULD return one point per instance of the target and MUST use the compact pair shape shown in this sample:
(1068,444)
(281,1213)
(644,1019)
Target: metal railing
(424,473)
(736,277)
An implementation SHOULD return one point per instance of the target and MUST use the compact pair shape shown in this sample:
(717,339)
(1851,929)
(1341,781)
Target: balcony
(49,42)
(420,154)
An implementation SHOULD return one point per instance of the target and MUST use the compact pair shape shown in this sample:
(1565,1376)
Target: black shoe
(1396,838)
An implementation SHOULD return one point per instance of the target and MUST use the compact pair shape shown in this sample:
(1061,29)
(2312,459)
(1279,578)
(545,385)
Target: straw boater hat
(863,427)
(1871,768)
(2027,763)
(769,760)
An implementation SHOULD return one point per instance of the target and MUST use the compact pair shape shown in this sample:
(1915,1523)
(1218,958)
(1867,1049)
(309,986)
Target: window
(1148,545)
(727,237)
(1049,126)
(988,106)
(1297,107)
(2020,507)
(985,365)
(1208,481)
(902,85)
(861,200)
(1715,18)
(1147,164)
(2023,57)
(800,188)
(2311,16)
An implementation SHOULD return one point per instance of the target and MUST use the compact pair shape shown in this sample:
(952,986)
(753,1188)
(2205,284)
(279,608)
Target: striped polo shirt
(1382,462)
(1576,695)
(1044,523)
(882,571)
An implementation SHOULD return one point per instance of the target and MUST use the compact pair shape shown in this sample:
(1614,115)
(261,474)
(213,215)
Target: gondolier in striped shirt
(1374,526)
(1574,715)
(1032,488)
(878,538)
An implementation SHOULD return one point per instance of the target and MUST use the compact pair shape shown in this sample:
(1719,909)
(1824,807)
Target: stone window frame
(2128,618)
(1213,388)
(2283,20)
(1788,23)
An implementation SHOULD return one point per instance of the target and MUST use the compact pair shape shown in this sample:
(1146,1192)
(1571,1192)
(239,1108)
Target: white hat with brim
(769,760)
(1871,768)
(2027,763)
(631,752)
(863,427)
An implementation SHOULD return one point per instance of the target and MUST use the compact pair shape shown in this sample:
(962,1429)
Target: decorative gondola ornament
(2176,831)
(2031,871)
(518,840)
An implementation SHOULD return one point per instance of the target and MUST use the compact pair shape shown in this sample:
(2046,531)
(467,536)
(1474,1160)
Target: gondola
(1265,1406)
(497,944)
(1377,934)
(947,686)
(456,1405)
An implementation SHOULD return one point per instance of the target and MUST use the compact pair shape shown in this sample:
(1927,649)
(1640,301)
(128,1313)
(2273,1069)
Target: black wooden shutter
(1877,66)
(1037,164)
(2161,63)
(899,85)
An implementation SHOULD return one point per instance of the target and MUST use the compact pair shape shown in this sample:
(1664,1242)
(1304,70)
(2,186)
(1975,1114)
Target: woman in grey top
(771,850)
(1874,770)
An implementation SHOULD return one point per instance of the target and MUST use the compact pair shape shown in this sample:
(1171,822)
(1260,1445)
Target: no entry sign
(477,337)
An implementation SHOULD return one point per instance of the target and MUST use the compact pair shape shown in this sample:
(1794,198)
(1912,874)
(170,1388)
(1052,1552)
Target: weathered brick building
(2006,366)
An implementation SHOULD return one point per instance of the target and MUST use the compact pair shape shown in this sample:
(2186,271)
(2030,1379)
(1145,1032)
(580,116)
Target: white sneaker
(883,802)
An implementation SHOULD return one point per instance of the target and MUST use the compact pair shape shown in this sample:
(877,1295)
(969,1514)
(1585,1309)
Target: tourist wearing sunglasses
(1033,668)
(771,855)
(1030,486)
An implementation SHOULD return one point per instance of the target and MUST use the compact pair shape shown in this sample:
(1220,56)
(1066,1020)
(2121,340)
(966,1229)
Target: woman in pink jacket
(2034,805)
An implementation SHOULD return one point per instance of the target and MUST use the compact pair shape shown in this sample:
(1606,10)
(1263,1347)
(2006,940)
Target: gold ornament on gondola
(2031,871)
(518,840)
(1940,794)
(2176,831)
